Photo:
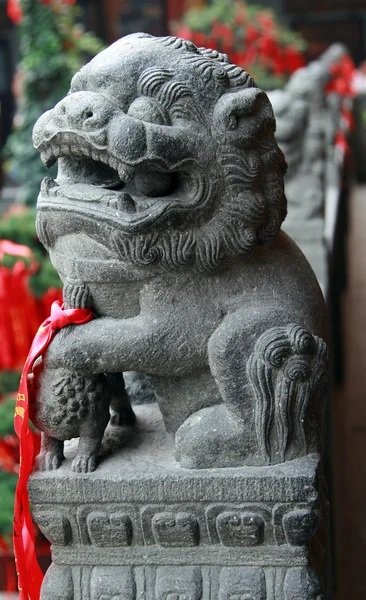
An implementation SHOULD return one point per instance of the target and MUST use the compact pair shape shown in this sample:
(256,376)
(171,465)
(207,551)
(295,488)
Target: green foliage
(7,480)
(9,382)
(7,407)
(52,48)
(201,19)
(19,227)
(8,483)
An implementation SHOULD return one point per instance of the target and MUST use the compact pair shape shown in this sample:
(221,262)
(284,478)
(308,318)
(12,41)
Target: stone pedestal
(141,527)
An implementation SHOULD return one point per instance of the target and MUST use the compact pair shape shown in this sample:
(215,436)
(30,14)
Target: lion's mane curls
(251,204)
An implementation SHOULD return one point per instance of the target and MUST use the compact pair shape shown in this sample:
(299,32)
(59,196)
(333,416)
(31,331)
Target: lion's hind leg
(120,408)
(224,435)
(272,382)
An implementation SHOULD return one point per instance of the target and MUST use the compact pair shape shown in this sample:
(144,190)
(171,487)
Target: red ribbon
(29,573)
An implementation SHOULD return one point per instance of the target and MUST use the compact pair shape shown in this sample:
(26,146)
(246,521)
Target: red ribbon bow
(29,573)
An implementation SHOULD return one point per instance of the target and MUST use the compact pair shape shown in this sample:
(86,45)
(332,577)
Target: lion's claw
(48,461)
(84,464)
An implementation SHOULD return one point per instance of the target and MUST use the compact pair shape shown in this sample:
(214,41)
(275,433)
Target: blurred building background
(320,23)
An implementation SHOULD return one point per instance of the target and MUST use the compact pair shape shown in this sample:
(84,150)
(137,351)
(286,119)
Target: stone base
(140,527)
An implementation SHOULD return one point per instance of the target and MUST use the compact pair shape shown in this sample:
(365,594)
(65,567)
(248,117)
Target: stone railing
(310,131)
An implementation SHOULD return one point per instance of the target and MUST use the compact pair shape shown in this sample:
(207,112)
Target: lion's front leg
(108,345)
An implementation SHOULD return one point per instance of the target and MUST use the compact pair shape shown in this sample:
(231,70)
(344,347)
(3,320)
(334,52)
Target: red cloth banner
(29,573)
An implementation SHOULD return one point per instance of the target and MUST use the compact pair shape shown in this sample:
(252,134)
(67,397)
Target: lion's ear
(239,116)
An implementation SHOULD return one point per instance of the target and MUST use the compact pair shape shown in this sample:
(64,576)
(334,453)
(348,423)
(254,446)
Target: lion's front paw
(48,460)
(84,464)
(70,349)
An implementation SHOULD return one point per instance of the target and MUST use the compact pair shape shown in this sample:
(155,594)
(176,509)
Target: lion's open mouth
(91,176)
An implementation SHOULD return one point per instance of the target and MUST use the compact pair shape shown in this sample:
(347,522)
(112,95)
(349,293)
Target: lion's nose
(84,110)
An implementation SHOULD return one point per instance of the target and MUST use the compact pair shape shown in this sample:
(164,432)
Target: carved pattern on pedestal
(178,583)
(171,526)
(109,526)
(55,526)
(219,524)
(240,529)
(237,525)
(175,530)
(242,583)
(114,529)
(181,583)
(294,525)
(112,583)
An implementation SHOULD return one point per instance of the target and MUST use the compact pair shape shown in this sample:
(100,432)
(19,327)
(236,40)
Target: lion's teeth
(125,172)
(123,203)
(126,204)
(47,184)
(48,158)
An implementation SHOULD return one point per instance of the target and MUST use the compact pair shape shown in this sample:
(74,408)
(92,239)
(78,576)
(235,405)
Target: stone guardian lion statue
(165,217)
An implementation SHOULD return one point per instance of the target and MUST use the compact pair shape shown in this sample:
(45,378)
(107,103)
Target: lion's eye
(232,122)
(153,184)
(149,110)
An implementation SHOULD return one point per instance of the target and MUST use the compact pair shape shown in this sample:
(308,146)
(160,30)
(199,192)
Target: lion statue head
(169,146)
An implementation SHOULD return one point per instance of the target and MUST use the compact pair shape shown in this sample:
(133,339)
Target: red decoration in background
(341,83)
(266,22)
(29,573)
(9,454)
(20,311)
(252,39)
(7,559)
(294,59)
(342,77)
(341,142)
(14,11)
(198,38)
(251,34)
